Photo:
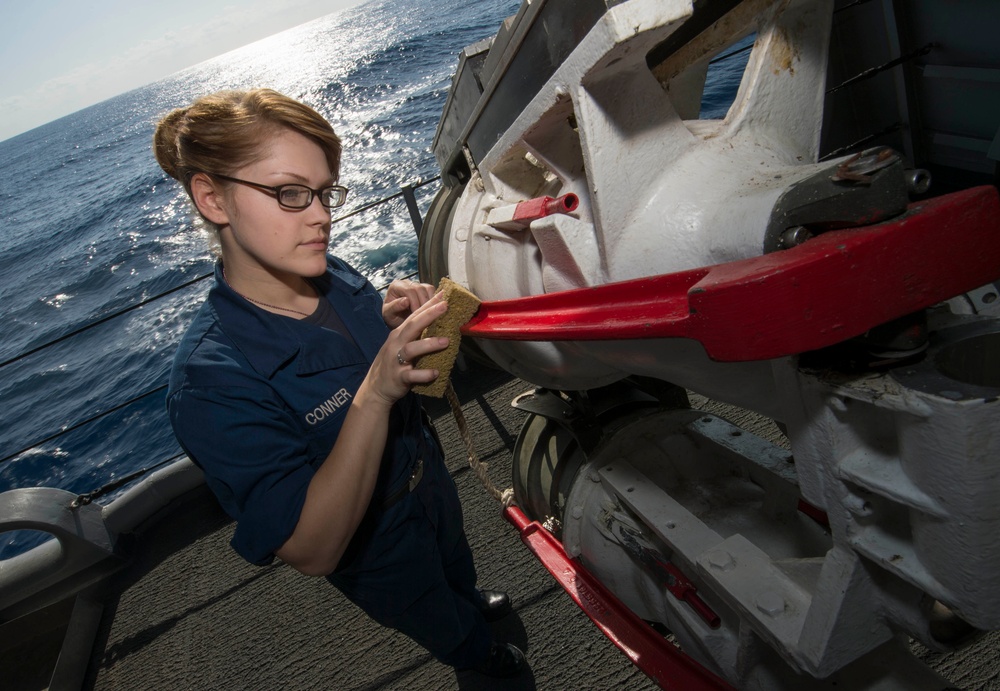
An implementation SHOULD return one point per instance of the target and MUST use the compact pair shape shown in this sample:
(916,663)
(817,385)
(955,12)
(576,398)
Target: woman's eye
(293,196)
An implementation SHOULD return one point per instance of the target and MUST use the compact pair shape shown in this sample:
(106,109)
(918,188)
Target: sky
(59,56)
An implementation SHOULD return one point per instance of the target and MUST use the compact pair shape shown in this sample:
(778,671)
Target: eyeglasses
(294,196)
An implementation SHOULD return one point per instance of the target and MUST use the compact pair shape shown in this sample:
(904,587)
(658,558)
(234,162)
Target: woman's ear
(207,196)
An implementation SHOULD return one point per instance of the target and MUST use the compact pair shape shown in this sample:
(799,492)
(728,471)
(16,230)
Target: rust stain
(783,52)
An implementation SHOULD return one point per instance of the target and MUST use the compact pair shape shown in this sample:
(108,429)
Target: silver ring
(399,358)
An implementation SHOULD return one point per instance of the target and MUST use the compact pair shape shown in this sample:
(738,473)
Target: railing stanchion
(411,206)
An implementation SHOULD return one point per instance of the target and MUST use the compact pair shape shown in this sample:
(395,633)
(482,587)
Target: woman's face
(260,234)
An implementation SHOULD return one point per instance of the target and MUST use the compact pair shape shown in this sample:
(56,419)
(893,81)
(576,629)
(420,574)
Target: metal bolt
(721,560)
(770,603)
(577,512)
(795,236)
(918,181)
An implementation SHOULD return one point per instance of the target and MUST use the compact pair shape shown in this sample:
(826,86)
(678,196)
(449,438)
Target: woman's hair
(224,131)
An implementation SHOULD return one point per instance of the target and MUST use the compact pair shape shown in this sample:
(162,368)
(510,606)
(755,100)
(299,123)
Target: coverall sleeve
(254,458)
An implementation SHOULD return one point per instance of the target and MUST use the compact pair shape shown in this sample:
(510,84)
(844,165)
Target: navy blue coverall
(257,401)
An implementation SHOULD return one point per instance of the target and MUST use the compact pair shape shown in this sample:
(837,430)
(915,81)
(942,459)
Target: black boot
(504,660)
(494,605)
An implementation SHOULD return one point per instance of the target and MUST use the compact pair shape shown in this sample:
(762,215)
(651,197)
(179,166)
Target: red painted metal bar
(649,651)
(684,590)
(519,216)
(533,209)
(831,288)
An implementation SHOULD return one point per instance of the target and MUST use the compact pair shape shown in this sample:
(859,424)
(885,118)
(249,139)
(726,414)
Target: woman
(291,388)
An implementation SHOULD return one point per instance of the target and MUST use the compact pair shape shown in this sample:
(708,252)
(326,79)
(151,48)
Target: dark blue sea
(89,225)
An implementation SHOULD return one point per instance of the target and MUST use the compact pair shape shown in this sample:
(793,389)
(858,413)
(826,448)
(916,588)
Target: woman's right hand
(392,374)
(341,490)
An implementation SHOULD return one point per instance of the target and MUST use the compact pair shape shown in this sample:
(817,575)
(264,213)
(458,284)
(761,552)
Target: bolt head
(770,603)
(721,560)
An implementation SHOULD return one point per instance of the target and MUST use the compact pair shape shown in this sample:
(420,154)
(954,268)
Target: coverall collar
(268,340)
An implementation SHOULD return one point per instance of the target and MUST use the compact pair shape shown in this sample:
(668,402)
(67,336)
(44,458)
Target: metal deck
(190,614)
(201,618)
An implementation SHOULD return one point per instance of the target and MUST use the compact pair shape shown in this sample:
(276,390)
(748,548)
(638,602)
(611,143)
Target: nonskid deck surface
(201,618)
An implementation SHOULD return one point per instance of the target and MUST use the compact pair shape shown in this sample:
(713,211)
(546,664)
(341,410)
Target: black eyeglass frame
(276,191)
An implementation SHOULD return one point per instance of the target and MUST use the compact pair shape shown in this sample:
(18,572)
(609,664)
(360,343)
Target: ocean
(90,225)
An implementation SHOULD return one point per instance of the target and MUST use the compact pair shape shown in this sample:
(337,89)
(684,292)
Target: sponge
(462,306)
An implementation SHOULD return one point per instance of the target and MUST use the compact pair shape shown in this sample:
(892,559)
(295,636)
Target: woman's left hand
(402,299)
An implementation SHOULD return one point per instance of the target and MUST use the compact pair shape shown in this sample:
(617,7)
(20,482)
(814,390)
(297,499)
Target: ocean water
(90,225)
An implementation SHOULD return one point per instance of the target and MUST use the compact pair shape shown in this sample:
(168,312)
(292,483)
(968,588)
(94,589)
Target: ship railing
(85,549)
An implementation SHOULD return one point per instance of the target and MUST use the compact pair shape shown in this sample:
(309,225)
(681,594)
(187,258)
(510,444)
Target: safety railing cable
(406,193)
(397,195)
(169,291)
(93,418)
(734,53)
(89,497)
(102,320)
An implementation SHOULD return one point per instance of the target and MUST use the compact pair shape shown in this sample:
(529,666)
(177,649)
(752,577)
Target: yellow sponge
(462,306)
